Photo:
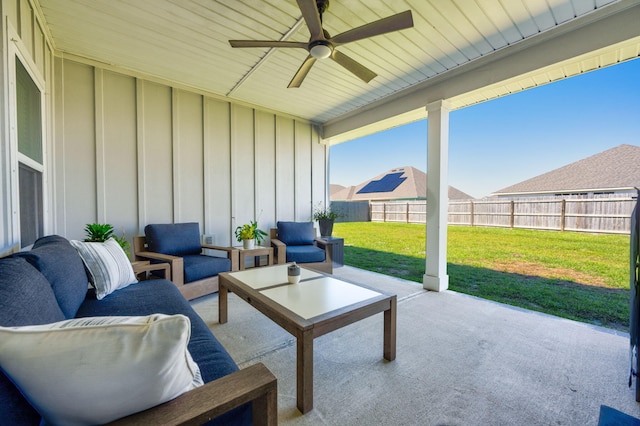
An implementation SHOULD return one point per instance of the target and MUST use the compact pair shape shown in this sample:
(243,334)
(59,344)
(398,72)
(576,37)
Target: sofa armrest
(232,254)
(279,251)
(254,384)
(176,264)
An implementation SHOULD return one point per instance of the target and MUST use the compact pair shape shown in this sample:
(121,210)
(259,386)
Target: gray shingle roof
(414,186)
(615,168)
(335,188)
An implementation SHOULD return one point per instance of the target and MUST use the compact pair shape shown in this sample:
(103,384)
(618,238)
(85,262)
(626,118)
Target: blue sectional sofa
(49,284)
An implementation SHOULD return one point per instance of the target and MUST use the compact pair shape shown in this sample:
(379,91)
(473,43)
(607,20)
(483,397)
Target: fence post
(471,219)
(407,213)
(384,212)
(512,214)
(563,211)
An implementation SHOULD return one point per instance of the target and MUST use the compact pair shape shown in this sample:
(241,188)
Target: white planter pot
(248,244)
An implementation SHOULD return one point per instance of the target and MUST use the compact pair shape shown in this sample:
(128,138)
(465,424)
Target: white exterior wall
(129,150)
(134,152)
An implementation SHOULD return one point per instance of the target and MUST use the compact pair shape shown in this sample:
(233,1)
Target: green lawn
(580,276)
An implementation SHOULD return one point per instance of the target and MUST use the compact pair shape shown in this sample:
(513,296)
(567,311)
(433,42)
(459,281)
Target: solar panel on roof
(388,183)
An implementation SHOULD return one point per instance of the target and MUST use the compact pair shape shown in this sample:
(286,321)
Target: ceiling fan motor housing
(320,49)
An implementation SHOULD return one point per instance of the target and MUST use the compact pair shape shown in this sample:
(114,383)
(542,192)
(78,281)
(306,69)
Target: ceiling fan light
(320,51)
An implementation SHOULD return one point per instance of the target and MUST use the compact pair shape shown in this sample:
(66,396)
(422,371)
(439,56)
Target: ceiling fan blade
(302,72)
(266,43)
(392,23)
(360,71)
(311,16)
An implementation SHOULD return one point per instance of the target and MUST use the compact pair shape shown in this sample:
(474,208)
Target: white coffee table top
(318,296)
(314,295)
(258,278)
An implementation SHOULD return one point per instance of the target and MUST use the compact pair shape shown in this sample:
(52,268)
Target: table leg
(304,377)
(222,303)
(389,349)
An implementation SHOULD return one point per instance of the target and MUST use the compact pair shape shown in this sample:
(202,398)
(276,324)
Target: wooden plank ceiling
(186,41)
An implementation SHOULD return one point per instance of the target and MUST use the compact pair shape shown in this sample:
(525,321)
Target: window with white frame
(30,155)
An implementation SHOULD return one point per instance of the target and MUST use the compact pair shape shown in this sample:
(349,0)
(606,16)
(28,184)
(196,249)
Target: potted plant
(325,218)
(101,232)
(249,234)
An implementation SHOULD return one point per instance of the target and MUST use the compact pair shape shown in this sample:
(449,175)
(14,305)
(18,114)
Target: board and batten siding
(130,152)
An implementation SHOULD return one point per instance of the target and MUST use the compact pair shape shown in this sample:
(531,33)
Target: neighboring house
(334,189)
(614,171)
(402,183)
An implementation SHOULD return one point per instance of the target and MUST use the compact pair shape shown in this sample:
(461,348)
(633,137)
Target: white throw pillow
(89,371)
(108,266)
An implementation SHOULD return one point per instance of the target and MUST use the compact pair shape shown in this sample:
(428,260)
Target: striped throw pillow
(108,266)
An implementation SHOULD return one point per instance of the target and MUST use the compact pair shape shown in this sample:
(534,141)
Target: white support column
(436,277)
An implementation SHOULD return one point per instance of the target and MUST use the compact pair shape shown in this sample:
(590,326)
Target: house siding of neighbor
(614,171)
(402,183)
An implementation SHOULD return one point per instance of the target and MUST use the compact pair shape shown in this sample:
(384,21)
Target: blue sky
(504,141)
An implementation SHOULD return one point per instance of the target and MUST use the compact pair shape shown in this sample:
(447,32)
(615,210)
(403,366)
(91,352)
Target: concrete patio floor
(460,361)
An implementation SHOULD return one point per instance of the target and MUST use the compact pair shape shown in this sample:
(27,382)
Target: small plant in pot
(101,232)
(325,218)
(249,234)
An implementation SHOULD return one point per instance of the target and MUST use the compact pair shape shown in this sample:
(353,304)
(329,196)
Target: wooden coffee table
(316,306)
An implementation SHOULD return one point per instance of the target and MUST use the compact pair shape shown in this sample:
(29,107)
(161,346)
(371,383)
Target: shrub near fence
(600,213)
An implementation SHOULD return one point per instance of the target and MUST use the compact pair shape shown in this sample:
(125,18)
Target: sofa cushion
(162,296)
(176,239)
(15,409)
(108,265)
(26,298)
(95,370)
(305,254)
(60,263)
(197,267)
(296,233)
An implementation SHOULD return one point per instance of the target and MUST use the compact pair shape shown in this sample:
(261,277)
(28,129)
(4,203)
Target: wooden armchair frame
(280,253)
(193,289)
(255,384)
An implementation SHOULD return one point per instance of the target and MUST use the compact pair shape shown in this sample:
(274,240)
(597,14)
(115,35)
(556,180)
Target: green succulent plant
(100,232)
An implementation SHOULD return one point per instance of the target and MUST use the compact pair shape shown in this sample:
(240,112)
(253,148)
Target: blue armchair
(297,242)
(178,244)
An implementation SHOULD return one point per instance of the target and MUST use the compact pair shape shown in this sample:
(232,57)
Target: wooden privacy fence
(604,214)
(352,211)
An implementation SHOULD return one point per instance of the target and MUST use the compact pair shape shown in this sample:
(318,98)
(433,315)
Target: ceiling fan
(321,45)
